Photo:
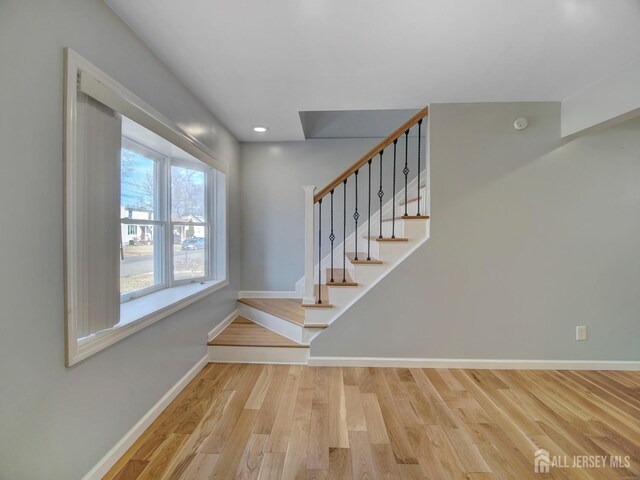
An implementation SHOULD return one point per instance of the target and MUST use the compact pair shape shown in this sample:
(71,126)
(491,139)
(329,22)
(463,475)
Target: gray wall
(530,237)
(56,423)
(272,175)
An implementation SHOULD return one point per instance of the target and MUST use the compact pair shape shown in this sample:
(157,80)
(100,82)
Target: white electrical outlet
(581,332)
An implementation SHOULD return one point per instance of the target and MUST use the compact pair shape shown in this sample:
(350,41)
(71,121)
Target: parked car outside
(193,244)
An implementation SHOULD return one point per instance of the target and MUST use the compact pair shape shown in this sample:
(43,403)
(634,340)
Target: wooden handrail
(372,153)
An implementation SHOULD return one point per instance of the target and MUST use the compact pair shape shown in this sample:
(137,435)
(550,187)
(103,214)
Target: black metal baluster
(332,237)
(393,198)
(344,231)
(380,194)
(406,169)
(419,135)
(356,216)
(320,251)
(369,217)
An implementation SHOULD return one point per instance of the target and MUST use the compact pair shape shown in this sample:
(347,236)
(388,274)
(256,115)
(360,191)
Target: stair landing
(289,309)
(242,332)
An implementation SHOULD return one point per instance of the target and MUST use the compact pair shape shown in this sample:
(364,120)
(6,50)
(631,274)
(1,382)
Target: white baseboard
(268,294)
(215,331)
(120,448)
(474,363)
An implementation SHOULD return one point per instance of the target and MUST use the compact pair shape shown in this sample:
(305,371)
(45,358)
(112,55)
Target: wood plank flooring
(242,332)
(298,422)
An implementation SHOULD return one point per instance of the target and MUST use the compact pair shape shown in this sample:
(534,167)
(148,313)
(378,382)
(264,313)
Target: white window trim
(150,308)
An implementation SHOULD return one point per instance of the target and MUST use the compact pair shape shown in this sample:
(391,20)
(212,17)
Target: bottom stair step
(242,332)
(244,341)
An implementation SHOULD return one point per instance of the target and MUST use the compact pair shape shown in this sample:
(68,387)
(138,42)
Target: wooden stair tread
(408,217)
(317,305)
(337,278)
(362,259)
(387,239)
(242,332)
(325,301)
(289,309)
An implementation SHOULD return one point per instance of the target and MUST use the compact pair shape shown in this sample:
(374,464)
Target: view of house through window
(138,199)
(189,222)
(165,219)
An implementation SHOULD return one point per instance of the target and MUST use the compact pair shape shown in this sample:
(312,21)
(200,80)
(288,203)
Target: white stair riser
(342,295)
(416,229)
(366,274)
(276,324)
(390,252)
(362,246)
(318,315)
(229,354)
(387,229)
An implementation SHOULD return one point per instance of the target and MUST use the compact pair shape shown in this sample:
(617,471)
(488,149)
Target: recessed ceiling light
(260,129)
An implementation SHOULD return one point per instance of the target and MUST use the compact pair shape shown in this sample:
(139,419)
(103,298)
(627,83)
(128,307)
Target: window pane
(139,257)
(190,251)
(138,189)
(187,195)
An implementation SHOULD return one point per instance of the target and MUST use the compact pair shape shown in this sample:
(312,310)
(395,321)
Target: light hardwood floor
(298,422)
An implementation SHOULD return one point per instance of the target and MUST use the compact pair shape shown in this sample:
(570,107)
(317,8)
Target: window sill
(165,302)
(142,312)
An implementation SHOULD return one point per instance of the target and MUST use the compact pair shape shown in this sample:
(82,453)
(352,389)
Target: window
(141,253)
(146,230)
(189,222)
(180,249)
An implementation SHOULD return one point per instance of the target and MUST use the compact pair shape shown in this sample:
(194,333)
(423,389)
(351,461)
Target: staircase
(344,257)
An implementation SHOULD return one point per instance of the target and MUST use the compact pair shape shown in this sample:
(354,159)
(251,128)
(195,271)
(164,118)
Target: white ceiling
(257,62)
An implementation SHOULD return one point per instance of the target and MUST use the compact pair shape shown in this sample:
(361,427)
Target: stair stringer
(368,276)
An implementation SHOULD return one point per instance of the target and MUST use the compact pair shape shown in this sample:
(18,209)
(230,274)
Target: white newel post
(309,294)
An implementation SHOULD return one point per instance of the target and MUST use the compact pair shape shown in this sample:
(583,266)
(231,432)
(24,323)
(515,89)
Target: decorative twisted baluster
(344,231)
(380,195)
(393,198)
(320,251)
(419,137)
(406,170)
(356,216)
(332,237)
(369,217)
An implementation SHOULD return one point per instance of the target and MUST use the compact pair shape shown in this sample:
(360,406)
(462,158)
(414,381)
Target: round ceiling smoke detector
(521,123)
